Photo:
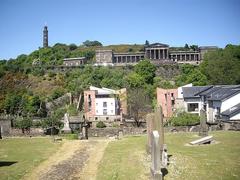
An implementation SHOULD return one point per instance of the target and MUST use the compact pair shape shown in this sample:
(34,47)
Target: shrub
(57,93)
(72,110)
(185,119)
(100,124)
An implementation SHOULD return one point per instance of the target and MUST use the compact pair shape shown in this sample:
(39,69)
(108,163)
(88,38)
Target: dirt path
(74,160)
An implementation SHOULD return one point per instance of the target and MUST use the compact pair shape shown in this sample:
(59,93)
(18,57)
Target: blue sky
(174,22)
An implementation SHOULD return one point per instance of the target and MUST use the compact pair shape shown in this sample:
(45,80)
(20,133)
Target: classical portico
(157,51)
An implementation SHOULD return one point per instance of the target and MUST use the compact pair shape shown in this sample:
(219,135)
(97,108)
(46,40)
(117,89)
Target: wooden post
(155,151)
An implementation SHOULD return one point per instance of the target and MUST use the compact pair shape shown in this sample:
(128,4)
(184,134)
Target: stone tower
(45,37)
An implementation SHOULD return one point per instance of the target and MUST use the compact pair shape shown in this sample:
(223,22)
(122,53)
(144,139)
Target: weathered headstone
(203,130)
(149,119)
(120,134)
(156,155)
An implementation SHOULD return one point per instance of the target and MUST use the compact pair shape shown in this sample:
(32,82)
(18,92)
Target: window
(96,104)
(104,111)
(192,107)
(96,118)
(111,104)
(104,104)
(107,118)
(111,111)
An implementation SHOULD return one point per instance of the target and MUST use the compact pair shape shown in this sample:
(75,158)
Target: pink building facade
(167,99)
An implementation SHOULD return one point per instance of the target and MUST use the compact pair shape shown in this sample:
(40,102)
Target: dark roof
(192,92)
(208,47)
(222,93)
(217,93)
(232,111)
(157,45)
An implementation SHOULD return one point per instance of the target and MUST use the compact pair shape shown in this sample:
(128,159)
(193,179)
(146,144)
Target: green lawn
(23,154)
(126,159)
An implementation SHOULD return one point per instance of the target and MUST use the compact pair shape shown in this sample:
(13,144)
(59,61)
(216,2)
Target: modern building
(219,102)
(78,61)
(158,53)
(103,104)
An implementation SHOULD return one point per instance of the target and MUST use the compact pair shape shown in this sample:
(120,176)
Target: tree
(186,46)
(88,43)
(146,70)
(146,43)
(222,66)
(139,104)
(191,74)
(194,47)
(24,123)
(72,47)
(134,80)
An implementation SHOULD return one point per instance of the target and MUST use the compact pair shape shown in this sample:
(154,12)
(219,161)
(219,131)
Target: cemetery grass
(127,159)
(19,156)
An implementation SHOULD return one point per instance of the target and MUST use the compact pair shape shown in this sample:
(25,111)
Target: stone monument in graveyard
(66,128)
(203,130)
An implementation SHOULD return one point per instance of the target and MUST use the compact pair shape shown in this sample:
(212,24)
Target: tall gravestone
(158,125)
(149,119)
(155,156)
(203,130)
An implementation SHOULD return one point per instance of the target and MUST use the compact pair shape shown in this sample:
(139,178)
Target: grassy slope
(217,161)
(27,152)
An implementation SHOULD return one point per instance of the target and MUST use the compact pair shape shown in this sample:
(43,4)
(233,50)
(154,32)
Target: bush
(72,110)
(57,93)
(100,124)
(185,119)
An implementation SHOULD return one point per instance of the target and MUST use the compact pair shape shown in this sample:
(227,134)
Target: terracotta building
(167,99)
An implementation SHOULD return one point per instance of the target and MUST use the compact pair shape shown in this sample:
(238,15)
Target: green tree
(222,66)
(146,70)
(88,43)
(146,43)
(135,80)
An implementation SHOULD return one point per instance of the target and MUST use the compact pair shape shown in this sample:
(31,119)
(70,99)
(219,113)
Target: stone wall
(106,132)
(32,132)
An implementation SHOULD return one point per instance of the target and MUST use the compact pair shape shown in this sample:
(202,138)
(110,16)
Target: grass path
(74,160)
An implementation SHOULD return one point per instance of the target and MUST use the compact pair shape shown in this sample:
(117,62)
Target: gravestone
(155,156)
(203,130)
(149,119)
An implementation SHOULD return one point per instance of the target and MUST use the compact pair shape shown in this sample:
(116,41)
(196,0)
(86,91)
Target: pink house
(167,99)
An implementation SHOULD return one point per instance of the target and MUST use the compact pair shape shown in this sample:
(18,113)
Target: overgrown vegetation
(184,119)
(100,124)
(26,87)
